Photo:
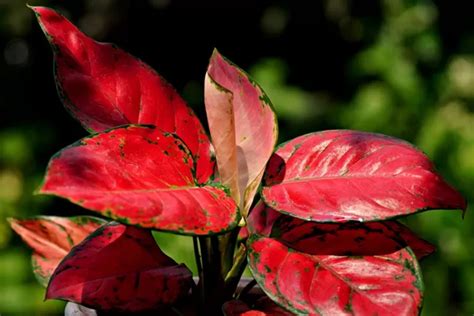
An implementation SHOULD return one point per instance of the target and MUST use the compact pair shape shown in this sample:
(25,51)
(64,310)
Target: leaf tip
(38,10)
(216,59)
(215,54)
(40,190)
(31,7)
(15,224)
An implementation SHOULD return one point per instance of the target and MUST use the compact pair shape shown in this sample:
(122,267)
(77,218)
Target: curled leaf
(330,282)
(103,87)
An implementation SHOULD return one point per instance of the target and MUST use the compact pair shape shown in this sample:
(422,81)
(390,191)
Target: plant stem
(227,249)
(235,273)
(197,256)
(220,268)
(211,283)
(247,289)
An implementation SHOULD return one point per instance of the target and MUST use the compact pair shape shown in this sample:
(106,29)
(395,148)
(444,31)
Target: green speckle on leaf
(409,266)
(399,277)
(348,308)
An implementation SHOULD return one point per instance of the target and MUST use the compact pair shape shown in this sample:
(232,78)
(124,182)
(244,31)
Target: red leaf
(104,87)
(267,222)
(371,281)
(243,128)
(140,176)
(263,307)
(420,247)
(119,268)
(348,238)
(51,238)
(338,176)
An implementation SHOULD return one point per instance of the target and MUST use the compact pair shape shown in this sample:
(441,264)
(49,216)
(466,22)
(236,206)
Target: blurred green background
(400,67)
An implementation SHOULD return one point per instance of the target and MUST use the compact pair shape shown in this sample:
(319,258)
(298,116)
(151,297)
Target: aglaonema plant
(313,219)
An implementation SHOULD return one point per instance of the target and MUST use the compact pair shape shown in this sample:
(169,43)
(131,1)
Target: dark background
(404,68)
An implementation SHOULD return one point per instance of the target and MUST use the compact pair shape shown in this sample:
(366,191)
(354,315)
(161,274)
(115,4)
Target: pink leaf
(51,238)
(243,127)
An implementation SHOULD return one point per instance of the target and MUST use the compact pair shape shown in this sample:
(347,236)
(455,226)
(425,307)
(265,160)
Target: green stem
(197,256)
(220,270)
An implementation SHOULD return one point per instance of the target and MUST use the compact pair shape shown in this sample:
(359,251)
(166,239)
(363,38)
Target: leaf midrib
(339,177)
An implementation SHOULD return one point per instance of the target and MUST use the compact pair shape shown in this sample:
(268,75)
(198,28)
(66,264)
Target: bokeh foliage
(400,67)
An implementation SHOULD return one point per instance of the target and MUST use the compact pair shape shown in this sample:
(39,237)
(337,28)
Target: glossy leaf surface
(371,274)
(51,238)
(265,221)
(338,176)
(261,219)
(243,127)
(119,268)
(141,176)
(104,87)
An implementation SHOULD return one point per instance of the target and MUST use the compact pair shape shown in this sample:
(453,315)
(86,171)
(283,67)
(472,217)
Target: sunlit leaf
(243,127)
(141,176)
(104,87)
(338,176)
